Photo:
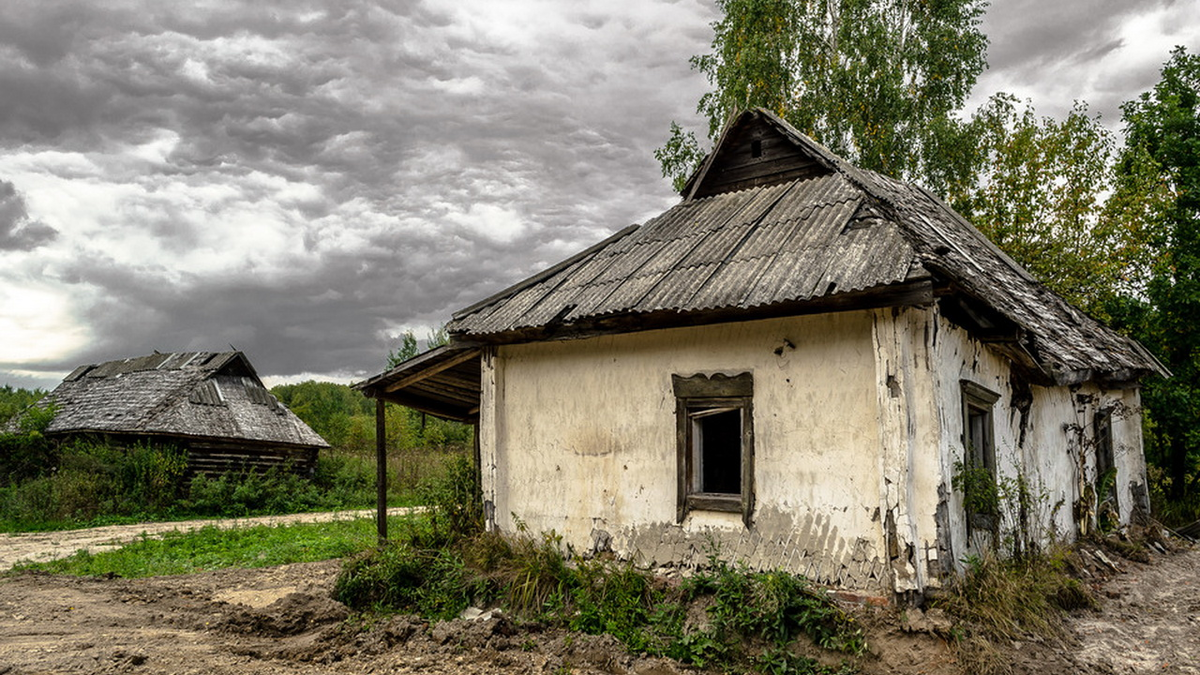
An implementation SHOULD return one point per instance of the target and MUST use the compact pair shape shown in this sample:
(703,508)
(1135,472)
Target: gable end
(752,153)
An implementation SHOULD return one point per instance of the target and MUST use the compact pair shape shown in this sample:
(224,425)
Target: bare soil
(282,620)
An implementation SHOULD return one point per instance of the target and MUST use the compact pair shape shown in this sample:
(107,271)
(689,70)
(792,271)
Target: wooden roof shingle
(211,395)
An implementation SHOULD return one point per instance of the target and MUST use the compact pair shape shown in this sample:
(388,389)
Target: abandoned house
(210,403)
(806,365)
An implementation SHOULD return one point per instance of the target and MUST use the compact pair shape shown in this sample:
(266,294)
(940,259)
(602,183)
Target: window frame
(1106,459)
(699,393)
(979,400)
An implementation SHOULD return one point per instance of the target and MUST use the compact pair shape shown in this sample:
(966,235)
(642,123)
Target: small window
(756,148)
(1106,467)
(979,456)
(715,443)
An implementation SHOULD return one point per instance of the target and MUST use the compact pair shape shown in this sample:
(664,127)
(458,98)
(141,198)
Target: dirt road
(281,620)
(1150,621)
(38,546)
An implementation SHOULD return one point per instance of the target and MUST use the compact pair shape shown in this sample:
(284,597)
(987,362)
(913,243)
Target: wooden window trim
(1102,435)
(979,398)
(715,391)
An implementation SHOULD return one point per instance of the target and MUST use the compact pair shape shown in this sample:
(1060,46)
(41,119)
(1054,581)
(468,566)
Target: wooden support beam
(427,372)
(381,470)
(433,407)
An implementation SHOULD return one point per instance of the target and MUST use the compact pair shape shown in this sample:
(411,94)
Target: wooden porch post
(381,470)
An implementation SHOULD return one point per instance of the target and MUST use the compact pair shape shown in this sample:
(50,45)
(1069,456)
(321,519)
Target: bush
(26,453)
(93,479)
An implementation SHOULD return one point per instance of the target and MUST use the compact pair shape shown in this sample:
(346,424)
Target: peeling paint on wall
(809,545)
(858,424)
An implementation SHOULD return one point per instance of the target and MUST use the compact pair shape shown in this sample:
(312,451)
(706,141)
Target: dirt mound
(292,614)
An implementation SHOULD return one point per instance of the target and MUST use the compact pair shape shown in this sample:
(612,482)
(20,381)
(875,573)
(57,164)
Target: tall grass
(94,483)
(998,601)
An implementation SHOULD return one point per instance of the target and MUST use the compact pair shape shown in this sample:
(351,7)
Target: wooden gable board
(752,153)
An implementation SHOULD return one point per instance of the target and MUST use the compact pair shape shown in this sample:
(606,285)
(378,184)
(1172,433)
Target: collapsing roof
(774,224)
(197,395)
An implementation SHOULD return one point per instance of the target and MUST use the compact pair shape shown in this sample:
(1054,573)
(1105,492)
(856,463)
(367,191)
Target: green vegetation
(417,444)
(13,401)
(739,621)
(210,548)
(876,81)
(84,483)
(1114,230)
(1162,159)
(998,601)
(47,485)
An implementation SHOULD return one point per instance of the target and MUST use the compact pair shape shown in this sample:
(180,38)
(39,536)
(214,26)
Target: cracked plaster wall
(579,437)
(857,422)
(1053,448)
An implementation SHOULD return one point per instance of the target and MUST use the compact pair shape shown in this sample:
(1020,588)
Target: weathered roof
(776,222)
(443,381)
(187,394)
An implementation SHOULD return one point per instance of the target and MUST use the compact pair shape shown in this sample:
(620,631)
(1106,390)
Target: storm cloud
(17,231)
(303,180)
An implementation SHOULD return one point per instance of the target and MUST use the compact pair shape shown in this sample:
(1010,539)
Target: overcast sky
(305,179)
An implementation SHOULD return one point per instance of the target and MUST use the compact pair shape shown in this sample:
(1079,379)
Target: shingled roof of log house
(773,224)
(199,395)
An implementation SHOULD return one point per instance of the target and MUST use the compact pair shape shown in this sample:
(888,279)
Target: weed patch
(724,616)
(1000,601)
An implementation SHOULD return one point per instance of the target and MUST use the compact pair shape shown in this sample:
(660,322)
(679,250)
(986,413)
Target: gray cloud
(302,178)
(17,231)
(453,161)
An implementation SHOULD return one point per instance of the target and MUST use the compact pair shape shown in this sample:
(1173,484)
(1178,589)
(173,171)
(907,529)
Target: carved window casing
(715,429)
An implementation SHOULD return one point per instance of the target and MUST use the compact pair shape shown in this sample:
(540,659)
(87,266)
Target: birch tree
(874,80)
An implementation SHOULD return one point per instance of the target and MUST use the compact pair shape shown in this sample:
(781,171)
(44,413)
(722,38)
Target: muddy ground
(282,620)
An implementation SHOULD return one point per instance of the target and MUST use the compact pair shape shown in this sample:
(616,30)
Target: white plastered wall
(1053,450)
(858,426)
(579,437)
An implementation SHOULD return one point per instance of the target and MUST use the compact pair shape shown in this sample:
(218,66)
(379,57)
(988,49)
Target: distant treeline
(346,419)
(13,401)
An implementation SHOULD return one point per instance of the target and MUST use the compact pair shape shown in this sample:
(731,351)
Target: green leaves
(1162,158)
(1037,186)
(874,80)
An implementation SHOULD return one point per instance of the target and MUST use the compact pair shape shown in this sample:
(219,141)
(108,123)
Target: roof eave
(917,292)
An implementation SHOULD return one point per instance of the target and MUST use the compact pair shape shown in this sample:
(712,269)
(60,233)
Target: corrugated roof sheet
(846,230)
(192,394)
(685,259)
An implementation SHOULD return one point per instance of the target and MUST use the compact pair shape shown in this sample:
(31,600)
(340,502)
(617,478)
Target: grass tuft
(1003,600)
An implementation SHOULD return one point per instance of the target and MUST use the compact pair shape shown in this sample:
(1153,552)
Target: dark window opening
(1106,467)
(716,443)
(717,449)
(756,148)
(978,475)
(979,436)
